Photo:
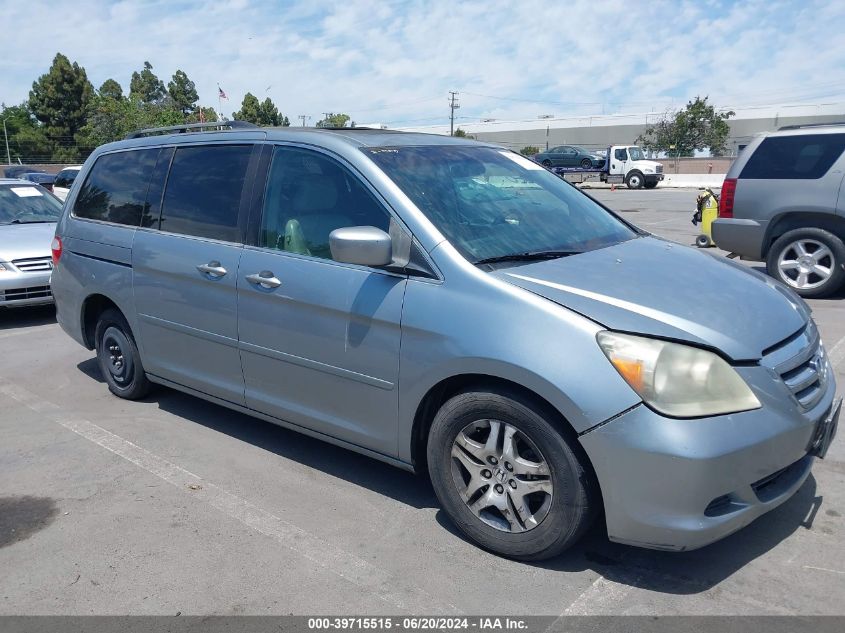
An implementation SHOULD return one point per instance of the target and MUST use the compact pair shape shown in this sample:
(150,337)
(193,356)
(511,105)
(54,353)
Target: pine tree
(182,92)
(59,99)
(250,110)
(111,90)
(146,86)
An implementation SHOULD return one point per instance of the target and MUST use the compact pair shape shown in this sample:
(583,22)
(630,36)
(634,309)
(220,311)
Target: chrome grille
(33,264)
(659,169)
(16,294)
(801,363)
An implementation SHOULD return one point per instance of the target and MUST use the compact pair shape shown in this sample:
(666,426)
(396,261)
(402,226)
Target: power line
(303,117)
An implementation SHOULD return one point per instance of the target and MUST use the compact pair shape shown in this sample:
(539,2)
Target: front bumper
(19,289)
(681,484)
(655,178)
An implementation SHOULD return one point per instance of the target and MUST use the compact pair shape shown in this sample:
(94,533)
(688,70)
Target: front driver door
(319,339)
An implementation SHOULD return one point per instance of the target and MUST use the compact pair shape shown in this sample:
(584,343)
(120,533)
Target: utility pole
(453,105)
(303,117)
(6,136)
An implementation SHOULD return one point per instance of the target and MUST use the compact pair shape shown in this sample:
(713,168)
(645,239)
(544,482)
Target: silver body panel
(349,353)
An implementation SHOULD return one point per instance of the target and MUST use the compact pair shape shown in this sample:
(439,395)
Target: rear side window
(794,157)
(65,178)
(116,188)
(203,192)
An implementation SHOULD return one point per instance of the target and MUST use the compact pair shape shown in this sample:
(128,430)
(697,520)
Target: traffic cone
(612,187)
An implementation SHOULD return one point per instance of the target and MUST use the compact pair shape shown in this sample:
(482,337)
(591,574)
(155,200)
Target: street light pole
(6,137)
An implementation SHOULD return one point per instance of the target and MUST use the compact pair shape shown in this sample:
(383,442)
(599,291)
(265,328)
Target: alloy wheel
(806,264)
(501,475)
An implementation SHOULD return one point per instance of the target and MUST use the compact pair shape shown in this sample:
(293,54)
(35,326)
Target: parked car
(782,202)
(569,156)
(45,180)
(64,179)
(16,171)
(28,215)
(452,308)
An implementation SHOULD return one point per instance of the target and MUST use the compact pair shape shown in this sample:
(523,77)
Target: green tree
(146,86)
(59,99)
(28,141)
(334,120)
(182,92)
(208,115)
(529,150)
(250,110)
(698,126)
(462,134)
(111,89)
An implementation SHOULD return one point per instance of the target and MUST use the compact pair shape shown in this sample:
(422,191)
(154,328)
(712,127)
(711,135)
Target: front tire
(810,261)
(547,163)
(634,180)
(587,163)
(509,479)
(118,357)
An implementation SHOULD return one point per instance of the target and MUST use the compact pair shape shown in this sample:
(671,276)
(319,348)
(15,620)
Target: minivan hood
(20,241)
(657,288)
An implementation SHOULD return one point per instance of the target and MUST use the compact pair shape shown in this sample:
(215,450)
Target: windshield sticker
(521,160)
(26,192)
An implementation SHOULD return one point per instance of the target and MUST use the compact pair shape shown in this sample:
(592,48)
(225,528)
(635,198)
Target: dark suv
(782,203)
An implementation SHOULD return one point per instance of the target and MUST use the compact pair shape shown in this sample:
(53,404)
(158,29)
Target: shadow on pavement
(11,318)
(665,572)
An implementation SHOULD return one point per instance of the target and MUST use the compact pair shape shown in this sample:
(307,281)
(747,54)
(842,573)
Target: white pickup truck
(623,163)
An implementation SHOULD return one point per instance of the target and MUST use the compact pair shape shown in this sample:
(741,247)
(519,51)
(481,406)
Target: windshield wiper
(527,256)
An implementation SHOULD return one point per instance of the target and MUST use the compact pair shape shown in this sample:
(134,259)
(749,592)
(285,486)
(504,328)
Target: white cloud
(396,61)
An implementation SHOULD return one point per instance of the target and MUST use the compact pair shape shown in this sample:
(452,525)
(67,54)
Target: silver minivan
(454,309)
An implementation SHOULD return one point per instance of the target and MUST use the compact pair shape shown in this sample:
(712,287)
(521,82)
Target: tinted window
(794,157)
(65,178)
(203,192)
(116,187)
(620,154)
(308,196)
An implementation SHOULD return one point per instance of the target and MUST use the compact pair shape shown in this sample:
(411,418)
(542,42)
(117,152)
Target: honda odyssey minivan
(454,309)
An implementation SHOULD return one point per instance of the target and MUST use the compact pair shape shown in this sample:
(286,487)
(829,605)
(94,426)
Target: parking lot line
(364,574)
(837,353)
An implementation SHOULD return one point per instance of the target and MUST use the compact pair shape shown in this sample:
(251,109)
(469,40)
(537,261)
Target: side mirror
(362,245)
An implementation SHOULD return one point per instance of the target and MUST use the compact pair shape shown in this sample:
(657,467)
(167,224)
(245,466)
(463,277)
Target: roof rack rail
(802,126)
(190,127)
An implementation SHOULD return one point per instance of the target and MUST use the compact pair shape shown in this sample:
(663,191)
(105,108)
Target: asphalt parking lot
(174,505)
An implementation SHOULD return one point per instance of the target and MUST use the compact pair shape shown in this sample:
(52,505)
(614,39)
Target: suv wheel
(634,180)
(810,261)
(509,479)
(118,357)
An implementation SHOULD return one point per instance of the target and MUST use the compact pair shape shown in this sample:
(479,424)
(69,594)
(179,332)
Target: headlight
(4,267)
(677,380)
(648,170)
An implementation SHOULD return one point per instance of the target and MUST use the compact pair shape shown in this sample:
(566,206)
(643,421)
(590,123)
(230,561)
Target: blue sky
(395,61)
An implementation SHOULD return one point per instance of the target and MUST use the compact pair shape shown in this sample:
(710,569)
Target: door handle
(265,279)
(212,269)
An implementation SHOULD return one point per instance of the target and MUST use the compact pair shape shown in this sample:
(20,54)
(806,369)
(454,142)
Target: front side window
(805,156)
(115,190)
(203,192)
(308,196)
(620,154)
(492,203)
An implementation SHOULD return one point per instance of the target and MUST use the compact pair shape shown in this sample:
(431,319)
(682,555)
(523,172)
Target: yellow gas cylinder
(708,207)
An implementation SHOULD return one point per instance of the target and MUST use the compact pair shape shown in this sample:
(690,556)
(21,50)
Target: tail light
(56,249)
(726,199)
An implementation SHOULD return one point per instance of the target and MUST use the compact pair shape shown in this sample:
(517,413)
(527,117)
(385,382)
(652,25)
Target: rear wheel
(634,180)
(509,479)
(118,357)
(810,261)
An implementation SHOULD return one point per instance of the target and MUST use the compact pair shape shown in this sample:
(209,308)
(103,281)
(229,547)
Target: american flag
(221,94)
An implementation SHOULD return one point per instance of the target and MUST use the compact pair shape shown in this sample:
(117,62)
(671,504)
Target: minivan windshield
(27,204)
(494,204)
